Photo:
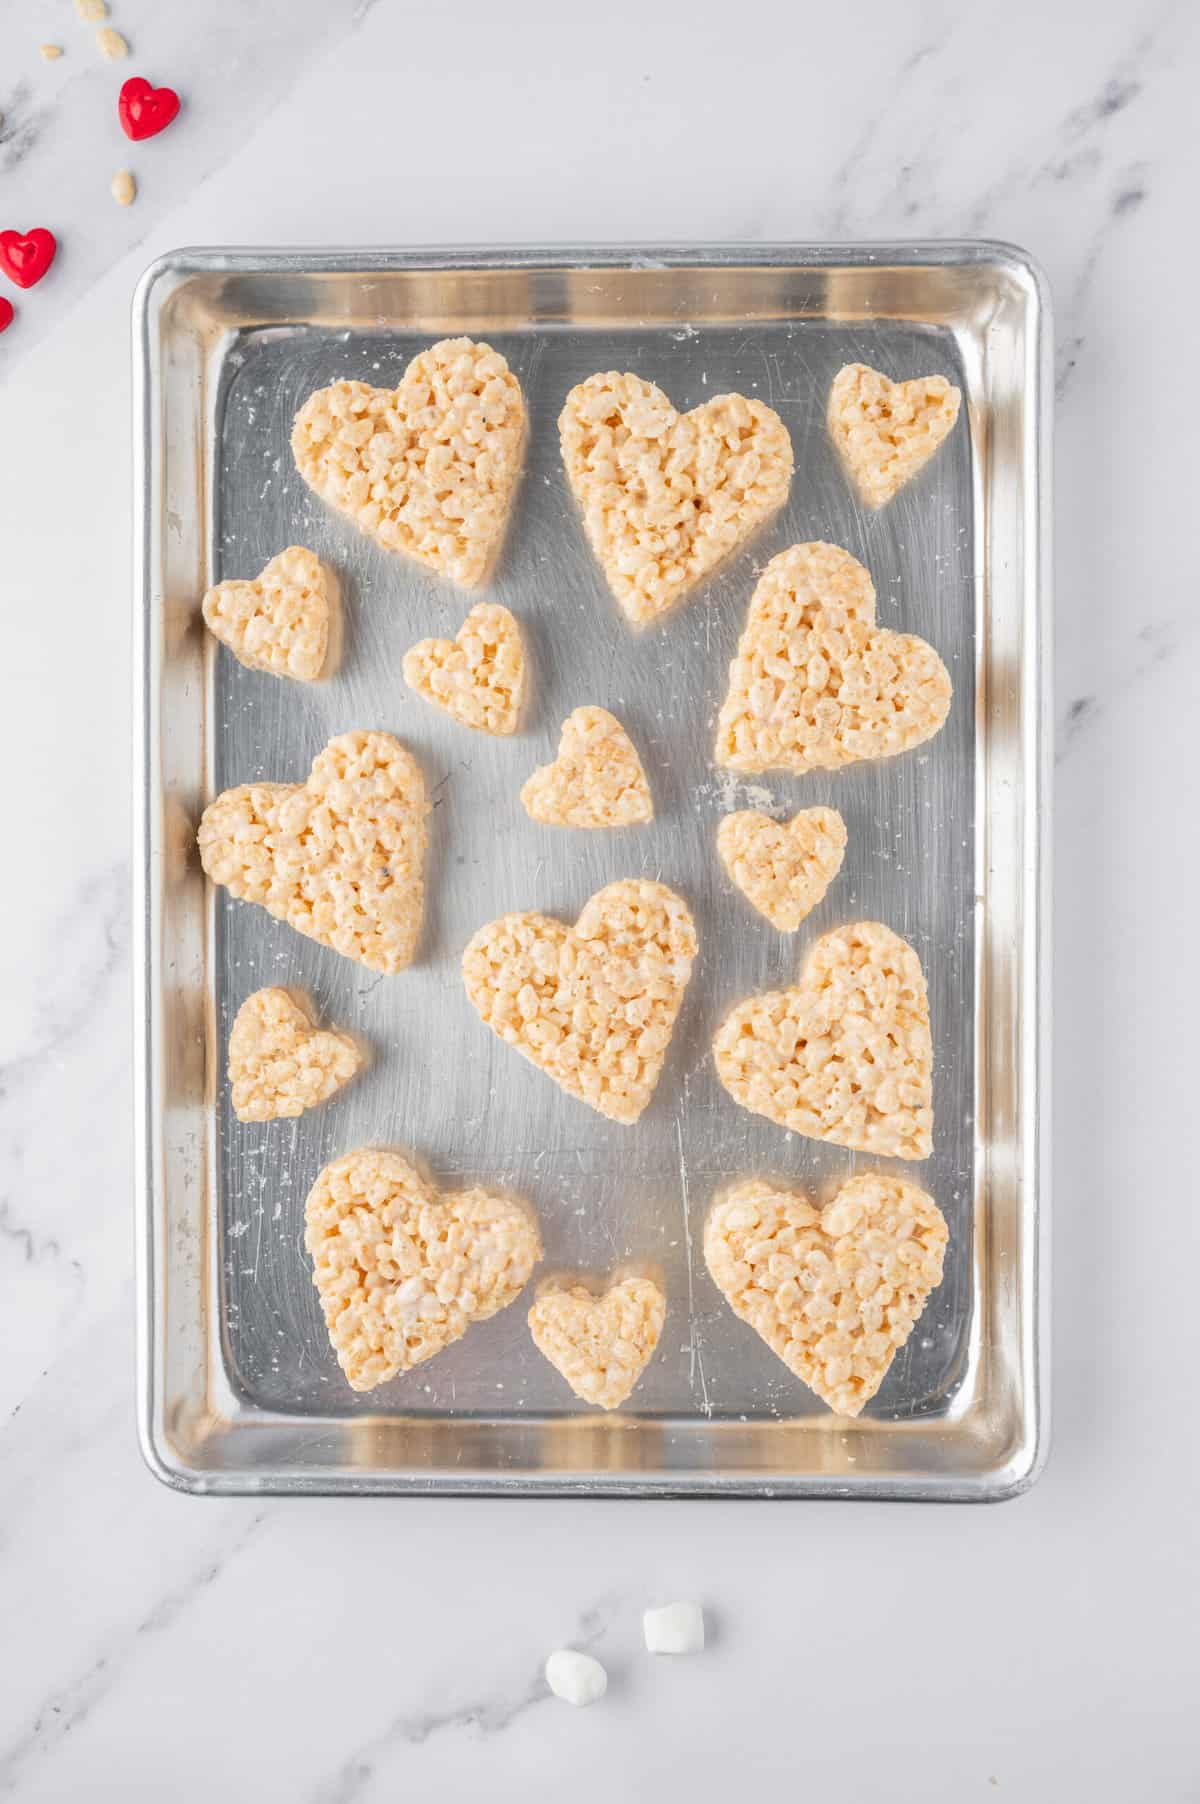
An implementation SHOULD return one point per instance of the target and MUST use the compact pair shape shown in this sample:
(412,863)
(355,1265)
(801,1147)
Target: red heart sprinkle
(26,256)
(145,111)
(6,314)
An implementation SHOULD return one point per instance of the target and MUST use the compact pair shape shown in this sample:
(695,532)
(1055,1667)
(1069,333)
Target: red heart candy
(145,111)
(26,256)
(6,314)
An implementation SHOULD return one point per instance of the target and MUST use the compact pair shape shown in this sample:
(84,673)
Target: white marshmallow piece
(675,1629)
(576,1678)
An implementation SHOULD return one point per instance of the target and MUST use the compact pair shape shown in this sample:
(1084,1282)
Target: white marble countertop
(155,1645)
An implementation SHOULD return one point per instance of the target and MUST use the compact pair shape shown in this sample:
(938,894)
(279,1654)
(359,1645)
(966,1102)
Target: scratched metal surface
(439,1082)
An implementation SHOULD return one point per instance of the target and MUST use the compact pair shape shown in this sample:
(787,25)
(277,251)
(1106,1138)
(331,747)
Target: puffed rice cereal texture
(600,1344)
(846,1054)
(592,1005)
(280,621)
(478,677)
(887,431)
(783,868)
(279,1063)
(665,497)
(816,684)
(834,1291)
(428,469)
(340,857)
(401,1271)
(597,779)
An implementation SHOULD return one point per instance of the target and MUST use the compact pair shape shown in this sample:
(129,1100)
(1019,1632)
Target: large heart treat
(340,857)
(478,677)
(886,431)
(846,1055)
(816,684)
(429,468)
(783,868)
(600,1344)
(402,1272)
(593,1005)
(596,780)
(665,496)
(835,1291)
(280,621)
(279,1063)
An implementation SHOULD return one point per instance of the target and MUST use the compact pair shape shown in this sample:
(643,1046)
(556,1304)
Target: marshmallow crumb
(674,1629)
(575,1678)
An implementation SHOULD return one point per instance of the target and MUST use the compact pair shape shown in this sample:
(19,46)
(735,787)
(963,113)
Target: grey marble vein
(480,1716)
(63,1709)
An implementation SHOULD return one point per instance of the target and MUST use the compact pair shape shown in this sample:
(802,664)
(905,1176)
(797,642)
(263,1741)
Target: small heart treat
(846,1055)
(783,868)
(279,1063)
(886,431)
(145,111)
(26,256)
(478,677)
(666,497)
(402,1272)
(428,469)
(834,1291)
(600,1344)
(596,780)
(6,313)
(339,857)
(593,1005)
(280,621)
(816,684)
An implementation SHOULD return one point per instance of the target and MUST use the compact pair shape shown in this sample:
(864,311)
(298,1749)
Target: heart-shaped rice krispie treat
(846,1054)
(886,431)
(593,1005)
(402,1272)
(665,496)
(339,857)
(597,779)
(280,621)
(478,677)
(783,868)
(429,468)
(816,684)
(600,1344)
(279,1063)
(834,1291)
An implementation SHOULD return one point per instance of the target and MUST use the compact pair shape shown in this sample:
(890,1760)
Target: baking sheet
(439,1082)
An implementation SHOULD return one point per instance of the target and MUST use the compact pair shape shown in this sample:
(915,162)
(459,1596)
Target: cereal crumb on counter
(111,44)
(846,1054)
(479,676)
(402,1271)
(834,1292)
(665,497)
(91,11)
(600,1344)
(596,780)
(280,1064)
(124,188)
(593,1005)
(50,53)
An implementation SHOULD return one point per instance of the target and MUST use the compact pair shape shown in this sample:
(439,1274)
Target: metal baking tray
(239,1391)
